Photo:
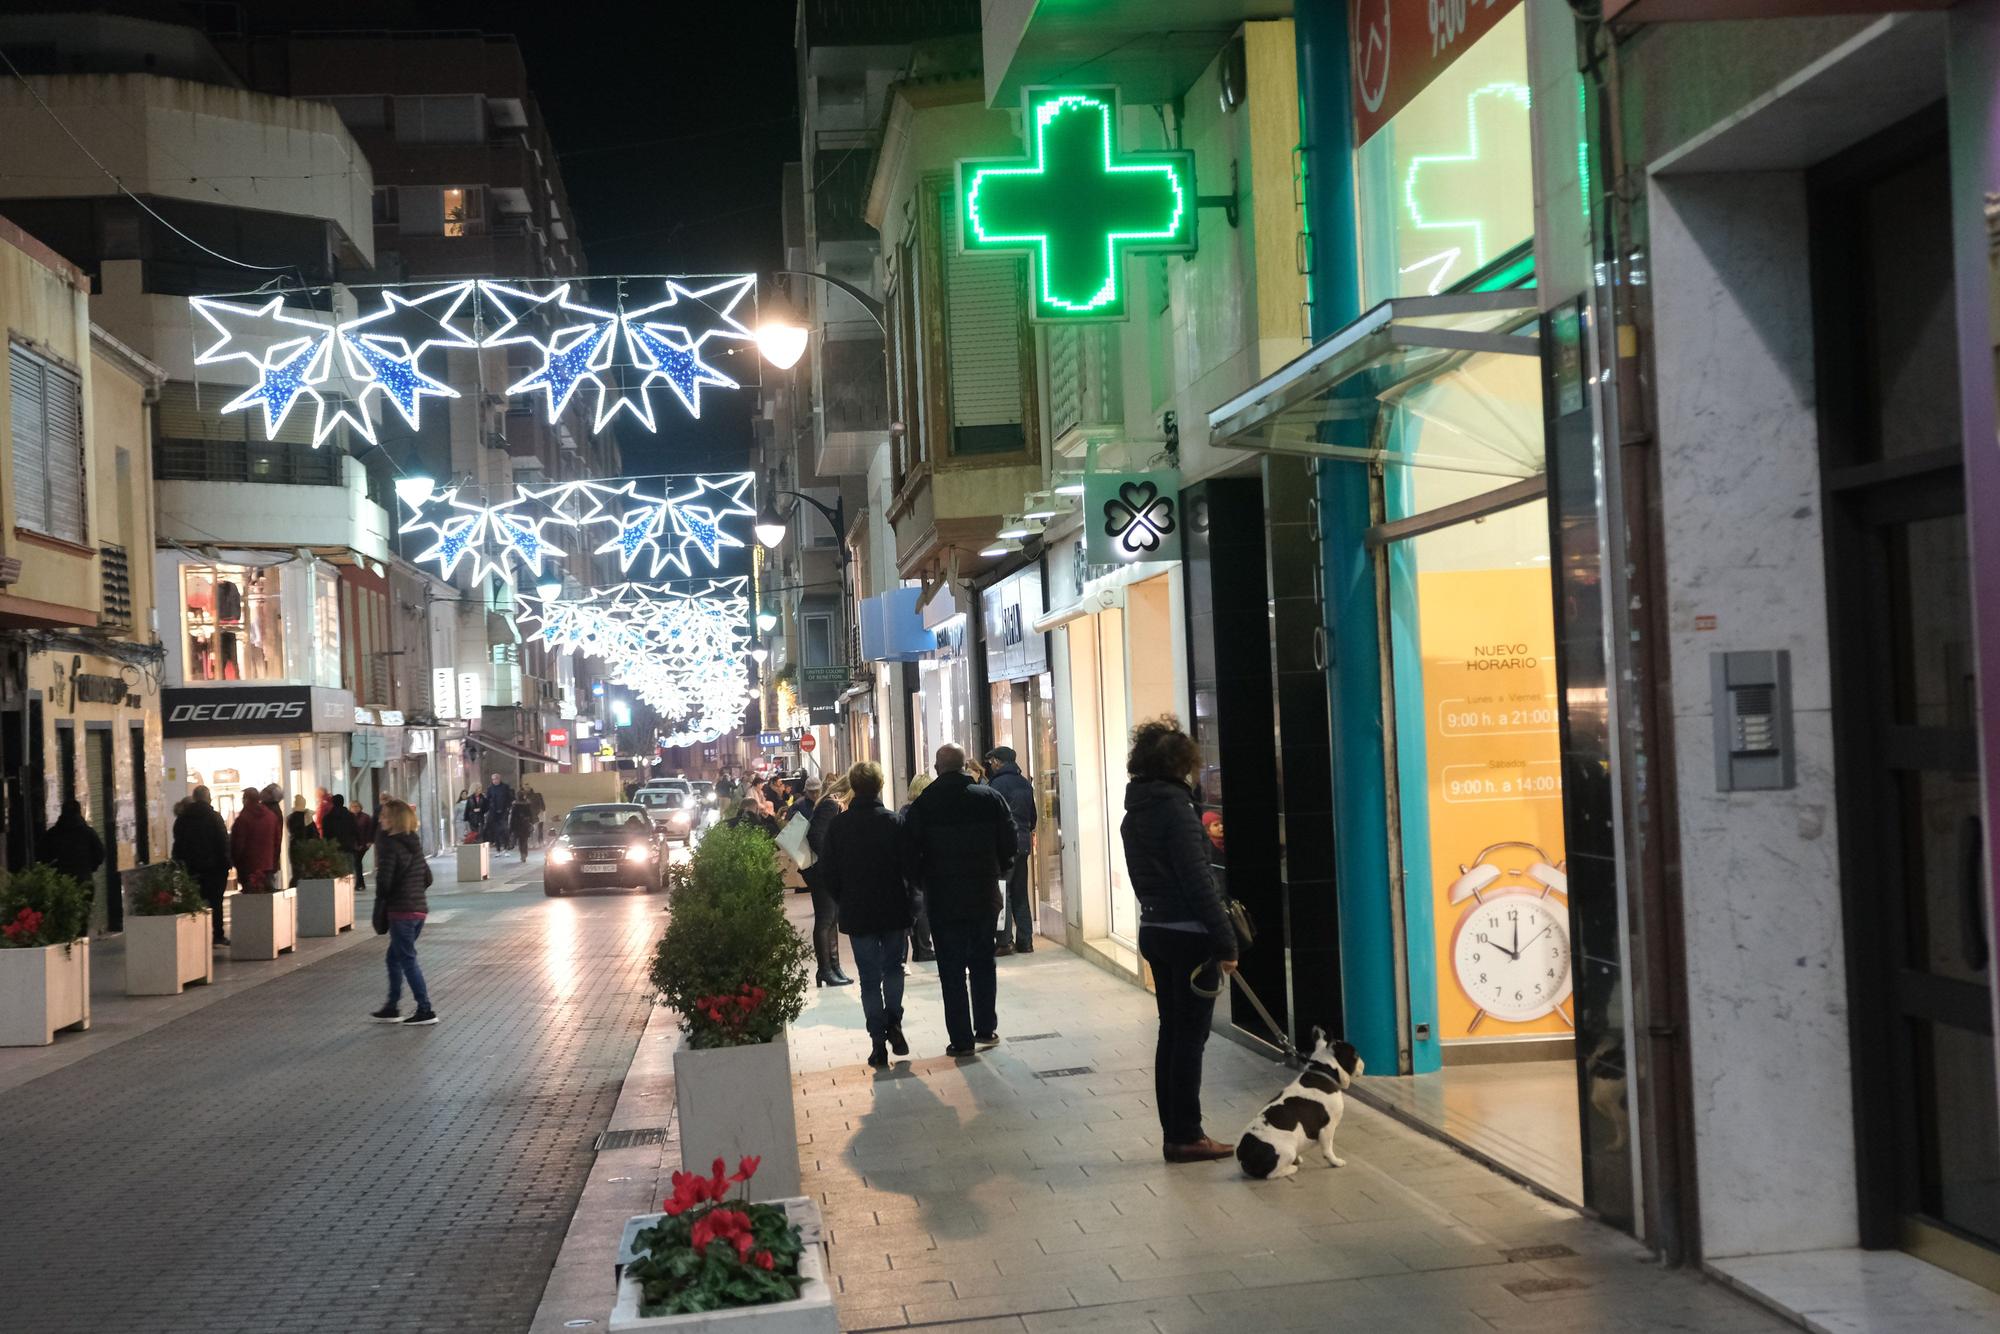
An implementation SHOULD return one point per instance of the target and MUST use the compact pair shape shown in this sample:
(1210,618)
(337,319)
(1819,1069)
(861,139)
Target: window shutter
(64,414)
(31,486)
(983,336)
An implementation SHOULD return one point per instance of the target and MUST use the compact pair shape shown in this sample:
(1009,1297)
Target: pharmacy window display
(233,625)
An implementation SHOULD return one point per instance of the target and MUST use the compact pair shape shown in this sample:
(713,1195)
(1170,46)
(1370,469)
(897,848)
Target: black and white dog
(1307,1112)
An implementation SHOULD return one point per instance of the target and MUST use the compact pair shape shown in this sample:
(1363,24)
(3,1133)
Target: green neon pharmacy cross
(1076,206)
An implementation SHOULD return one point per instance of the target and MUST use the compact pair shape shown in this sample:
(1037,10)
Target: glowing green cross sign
(1076,206)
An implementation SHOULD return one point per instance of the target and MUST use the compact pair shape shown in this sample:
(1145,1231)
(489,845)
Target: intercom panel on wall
(1752,695)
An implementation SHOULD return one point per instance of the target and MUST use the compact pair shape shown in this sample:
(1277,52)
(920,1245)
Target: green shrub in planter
(42,906)
(321,859)
(731,962)
(168,891)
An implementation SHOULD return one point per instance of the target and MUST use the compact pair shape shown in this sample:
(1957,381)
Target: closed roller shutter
(31,482)
(983,342)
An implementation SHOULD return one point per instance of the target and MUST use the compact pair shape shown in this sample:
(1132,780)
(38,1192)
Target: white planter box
(263,926)
(163,954)
(42,991)
(475,862)
(326,907)
(812,1312)
(735,1102)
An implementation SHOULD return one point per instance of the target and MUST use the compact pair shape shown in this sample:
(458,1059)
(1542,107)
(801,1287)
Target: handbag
(381,914)
(792,839)
(1246,930)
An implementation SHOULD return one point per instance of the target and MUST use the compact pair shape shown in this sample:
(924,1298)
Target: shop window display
(234,624)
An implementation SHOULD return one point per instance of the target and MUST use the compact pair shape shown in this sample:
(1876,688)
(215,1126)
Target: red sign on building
(558,736)
(1399,46)
(808,743)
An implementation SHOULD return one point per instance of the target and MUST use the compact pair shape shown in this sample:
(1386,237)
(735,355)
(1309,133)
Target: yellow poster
(1500,902)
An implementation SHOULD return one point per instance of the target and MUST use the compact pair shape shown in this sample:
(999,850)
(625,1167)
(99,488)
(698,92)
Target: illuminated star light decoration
(1077,206)
(671,528)
(341,367)
(682,651)
(495,538)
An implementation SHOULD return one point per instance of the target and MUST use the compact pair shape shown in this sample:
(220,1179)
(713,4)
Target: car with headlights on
(671,809)
(612,844)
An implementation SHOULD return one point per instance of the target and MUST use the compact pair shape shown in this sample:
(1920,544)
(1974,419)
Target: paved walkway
(1025,1191)
(271,1161)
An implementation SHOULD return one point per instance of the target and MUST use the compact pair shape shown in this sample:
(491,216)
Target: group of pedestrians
(497,814)
(954,847)
(254,845)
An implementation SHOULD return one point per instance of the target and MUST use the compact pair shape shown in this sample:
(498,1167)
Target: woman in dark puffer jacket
(401,878)
(1184,925)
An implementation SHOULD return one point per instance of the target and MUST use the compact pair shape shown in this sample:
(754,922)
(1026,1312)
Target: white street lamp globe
(782,342)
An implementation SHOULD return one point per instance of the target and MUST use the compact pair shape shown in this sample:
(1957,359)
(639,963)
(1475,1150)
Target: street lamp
(770,525)
(767,620)
(781,336)
(550,589)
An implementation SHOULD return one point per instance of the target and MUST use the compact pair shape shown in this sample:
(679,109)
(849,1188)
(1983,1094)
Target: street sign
(808,743)
(771,740)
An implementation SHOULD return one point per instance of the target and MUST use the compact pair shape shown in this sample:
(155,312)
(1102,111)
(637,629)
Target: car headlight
(639,852)
(560,855)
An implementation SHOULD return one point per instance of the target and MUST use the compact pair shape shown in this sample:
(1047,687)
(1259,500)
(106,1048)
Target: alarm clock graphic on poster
(1510,949)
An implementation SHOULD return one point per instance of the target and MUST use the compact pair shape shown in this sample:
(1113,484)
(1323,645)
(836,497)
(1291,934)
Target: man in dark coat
(958,842)
(499,814)
(201,843)
(860,869)
(71,845)
(341,826)
(1004,776)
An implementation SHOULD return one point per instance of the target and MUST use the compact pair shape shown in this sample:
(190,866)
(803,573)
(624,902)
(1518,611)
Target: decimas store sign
(1401,45)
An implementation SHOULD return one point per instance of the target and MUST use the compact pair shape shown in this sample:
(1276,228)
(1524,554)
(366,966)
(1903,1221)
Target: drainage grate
(1034,1037)
(629,1139)
(1536,1287)
(1066,1072)
(1518,1254)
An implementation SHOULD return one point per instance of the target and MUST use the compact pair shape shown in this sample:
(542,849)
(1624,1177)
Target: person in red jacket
(251,840)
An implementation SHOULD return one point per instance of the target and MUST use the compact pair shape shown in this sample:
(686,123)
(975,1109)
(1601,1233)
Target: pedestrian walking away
(958,841)
(861,870)
(402,879)
(1185,933)
(299,824)
(522,818)
(201,843)
(71,845)
(1004,776)
(820,811)
(273,798)
(341,826)
(365,826)
(499,813)
(251,844)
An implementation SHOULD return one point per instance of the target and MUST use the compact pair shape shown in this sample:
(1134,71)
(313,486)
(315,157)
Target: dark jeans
(826,933)
(360,880)
(403,933)
(1184,1018)
(213,887)
(965,961)
(1018,908)
(879,961)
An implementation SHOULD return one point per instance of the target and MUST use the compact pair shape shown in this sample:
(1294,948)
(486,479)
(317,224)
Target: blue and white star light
(674,528)
(624,357)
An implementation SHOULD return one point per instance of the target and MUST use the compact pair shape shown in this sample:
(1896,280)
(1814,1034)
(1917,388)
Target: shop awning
(506,747)
(1102,594)
(1452,362)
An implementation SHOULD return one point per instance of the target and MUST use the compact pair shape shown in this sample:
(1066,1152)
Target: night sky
(673,122)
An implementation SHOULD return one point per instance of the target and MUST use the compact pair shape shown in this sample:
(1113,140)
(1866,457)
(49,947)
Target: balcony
(235,505)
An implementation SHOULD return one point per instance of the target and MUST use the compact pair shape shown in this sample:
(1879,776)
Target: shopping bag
(792,838)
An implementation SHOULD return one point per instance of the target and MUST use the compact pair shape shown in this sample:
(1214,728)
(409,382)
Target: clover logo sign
(1138,518)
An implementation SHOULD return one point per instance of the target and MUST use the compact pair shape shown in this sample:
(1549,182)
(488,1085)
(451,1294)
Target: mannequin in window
(228,602)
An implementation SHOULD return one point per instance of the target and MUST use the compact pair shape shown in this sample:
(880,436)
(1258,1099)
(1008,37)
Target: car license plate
(599,868)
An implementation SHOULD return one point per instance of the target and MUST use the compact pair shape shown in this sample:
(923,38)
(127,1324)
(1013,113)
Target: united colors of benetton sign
(1077,206)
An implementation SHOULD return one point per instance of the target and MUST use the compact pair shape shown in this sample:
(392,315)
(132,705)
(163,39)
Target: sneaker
(879,1057)
(986,1041)
(423,1016)
(388,1014)
(960,1053)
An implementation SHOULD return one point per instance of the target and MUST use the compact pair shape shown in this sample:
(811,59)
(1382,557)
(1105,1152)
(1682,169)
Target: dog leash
(1284,1035)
